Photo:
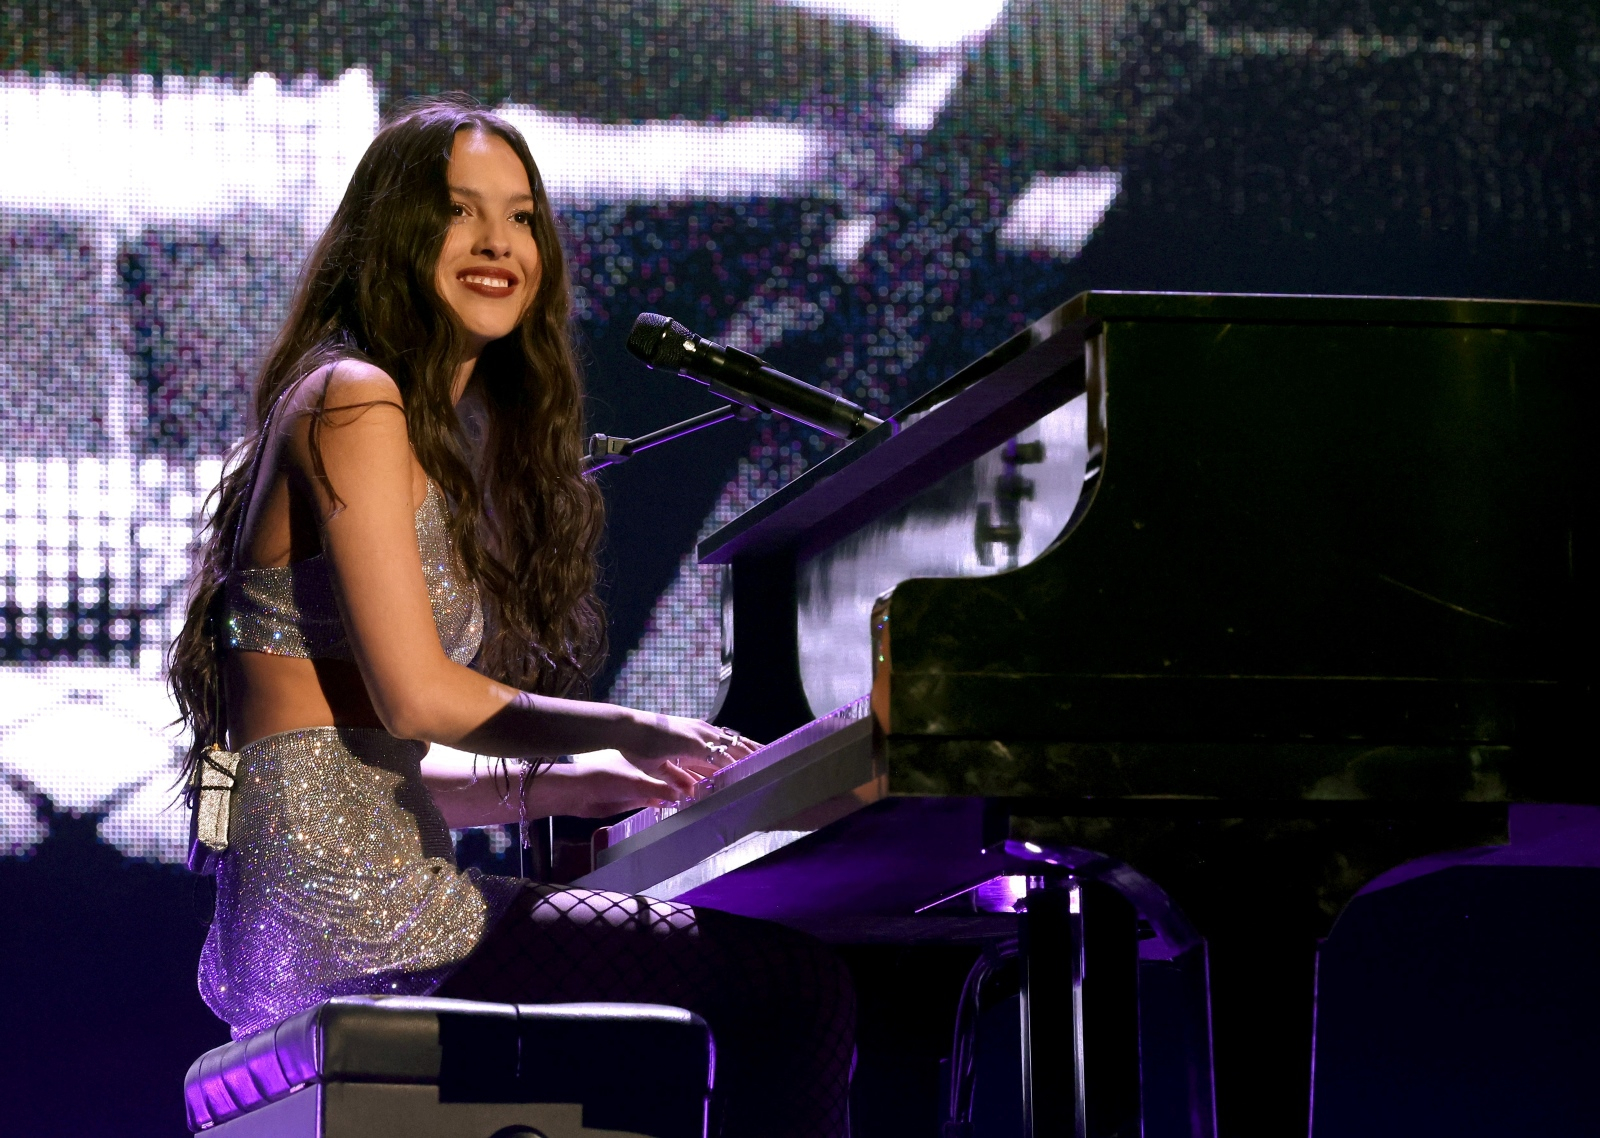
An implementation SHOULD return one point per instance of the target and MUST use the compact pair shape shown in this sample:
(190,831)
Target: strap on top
(255,474)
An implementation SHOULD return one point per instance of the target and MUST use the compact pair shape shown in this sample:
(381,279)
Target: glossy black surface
(1329,526)
(935,438)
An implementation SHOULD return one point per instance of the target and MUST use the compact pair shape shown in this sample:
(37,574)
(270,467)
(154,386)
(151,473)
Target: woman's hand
(602,783)
(667,758)
(471,790)
(675,749)
(658,759)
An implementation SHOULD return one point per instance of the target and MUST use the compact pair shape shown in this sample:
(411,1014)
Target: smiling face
(488,268)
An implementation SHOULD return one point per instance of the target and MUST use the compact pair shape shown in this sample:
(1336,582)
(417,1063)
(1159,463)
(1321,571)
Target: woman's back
(292,610)
(290,662)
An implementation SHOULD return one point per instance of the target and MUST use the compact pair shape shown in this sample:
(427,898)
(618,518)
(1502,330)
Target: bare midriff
(269,694)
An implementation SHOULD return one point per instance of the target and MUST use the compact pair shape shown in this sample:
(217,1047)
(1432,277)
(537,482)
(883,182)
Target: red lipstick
(487,281)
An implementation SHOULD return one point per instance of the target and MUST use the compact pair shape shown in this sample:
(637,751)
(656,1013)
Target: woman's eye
(457,210)
(522,218)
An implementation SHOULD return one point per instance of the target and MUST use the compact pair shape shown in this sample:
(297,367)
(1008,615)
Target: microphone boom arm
(609,450)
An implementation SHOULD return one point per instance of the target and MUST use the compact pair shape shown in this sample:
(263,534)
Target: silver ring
(717,748)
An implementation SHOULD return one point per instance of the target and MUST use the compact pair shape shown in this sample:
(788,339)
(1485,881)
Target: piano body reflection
(1250,598)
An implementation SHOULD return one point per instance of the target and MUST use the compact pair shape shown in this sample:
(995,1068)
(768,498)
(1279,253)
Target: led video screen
(867,193)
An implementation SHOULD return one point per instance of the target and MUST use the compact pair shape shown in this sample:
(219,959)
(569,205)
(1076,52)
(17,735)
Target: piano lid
(857,483)
(1347,521)
(1333,522)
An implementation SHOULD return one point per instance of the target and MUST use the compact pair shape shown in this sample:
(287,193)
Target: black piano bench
(419,1067)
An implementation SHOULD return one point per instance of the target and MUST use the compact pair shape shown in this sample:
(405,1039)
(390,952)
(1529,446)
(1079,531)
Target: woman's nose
(494,240)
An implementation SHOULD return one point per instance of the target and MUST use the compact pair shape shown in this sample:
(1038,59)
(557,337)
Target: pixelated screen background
(868,193)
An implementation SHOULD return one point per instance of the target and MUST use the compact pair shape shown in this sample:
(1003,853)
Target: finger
(679,779)
(652,785)
(648,790)
(673,779)
(736,753)
(716,756)
(738,746)
(701,768)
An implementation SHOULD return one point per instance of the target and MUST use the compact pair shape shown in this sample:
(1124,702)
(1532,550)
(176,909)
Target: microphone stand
(608,450)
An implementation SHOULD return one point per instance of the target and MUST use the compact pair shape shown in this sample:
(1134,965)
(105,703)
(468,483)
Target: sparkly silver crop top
(291,610)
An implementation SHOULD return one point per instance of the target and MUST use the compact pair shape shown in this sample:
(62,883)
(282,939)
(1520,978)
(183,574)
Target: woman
(414,502)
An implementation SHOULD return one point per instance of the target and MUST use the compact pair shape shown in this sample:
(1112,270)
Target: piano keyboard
(776,796)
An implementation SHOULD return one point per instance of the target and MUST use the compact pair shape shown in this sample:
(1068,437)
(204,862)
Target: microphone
(741,378)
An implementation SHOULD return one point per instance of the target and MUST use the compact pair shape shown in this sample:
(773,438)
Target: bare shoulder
(348,385)
(347,440)
(347,404)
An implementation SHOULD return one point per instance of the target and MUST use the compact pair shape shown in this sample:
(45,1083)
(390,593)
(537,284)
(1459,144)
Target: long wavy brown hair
(524,517)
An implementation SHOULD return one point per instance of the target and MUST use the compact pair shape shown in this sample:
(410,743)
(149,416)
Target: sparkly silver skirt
(339,879)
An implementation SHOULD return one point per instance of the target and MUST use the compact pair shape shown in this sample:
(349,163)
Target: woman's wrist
(632,731)
(551,790)
(542,724)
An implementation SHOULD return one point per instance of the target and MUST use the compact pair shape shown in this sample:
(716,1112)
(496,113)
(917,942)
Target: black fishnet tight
(780,1004)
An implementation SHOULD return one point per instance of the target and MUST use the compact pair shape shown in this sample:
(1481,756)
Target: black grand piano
(1170,622)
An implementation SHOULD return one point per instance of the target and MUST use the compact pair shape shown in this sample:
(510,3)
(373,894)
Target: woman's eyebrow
(469,192)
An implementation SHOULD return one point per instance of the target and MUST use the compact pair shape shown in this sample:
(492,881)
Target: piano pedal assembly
(1113,1001)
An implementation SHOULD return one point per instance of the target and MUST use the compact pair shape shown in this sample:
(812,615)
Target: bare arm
(471,790)
(416,691)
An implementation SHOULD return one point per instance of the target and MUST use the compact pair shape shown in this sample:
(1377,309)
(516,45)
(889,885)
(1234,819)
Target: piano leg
(1050,942)
(1261,891)
(1083,1008)
(1176,1097)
